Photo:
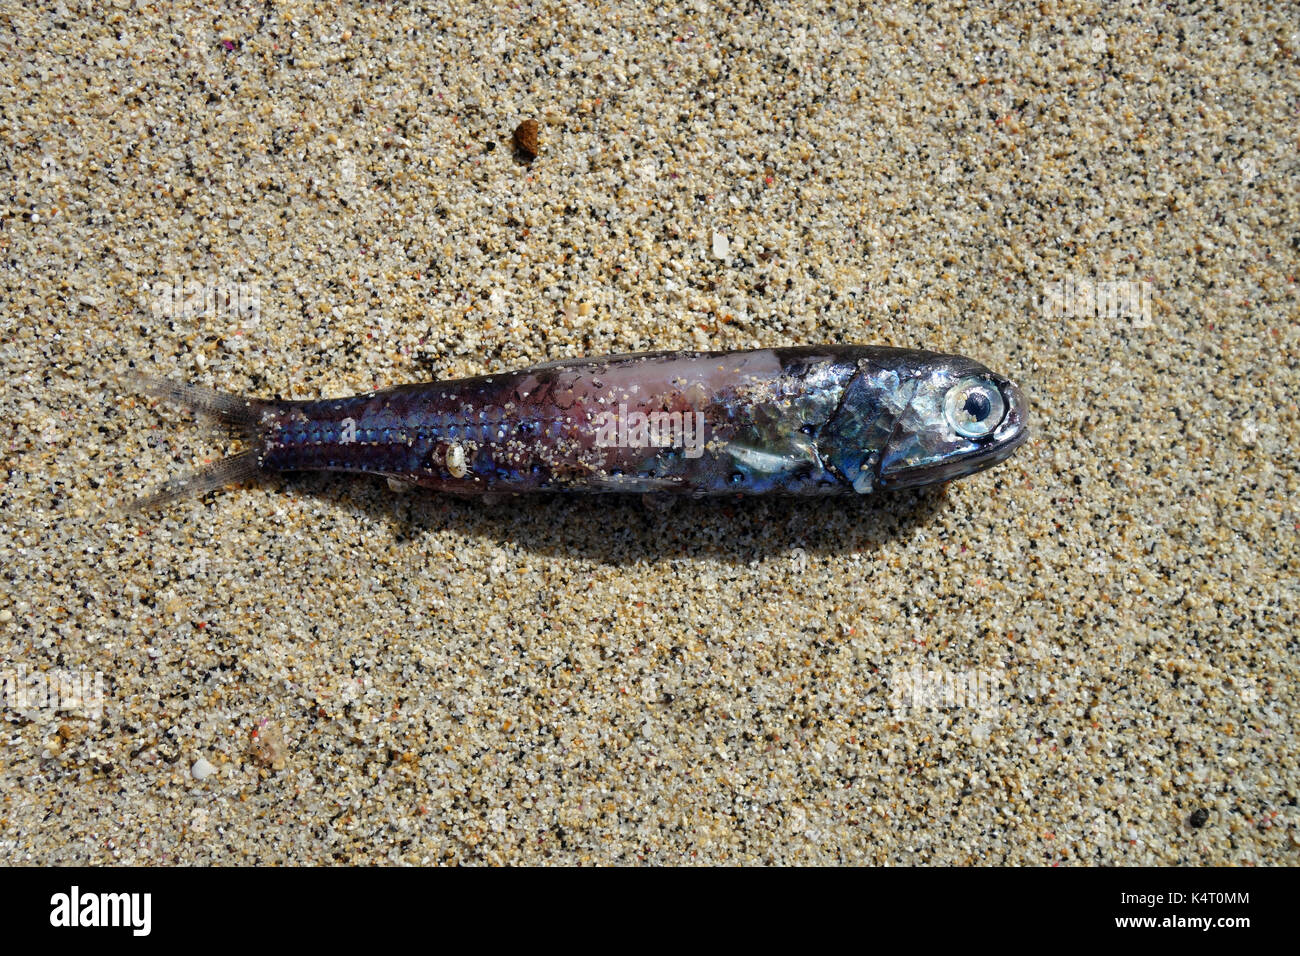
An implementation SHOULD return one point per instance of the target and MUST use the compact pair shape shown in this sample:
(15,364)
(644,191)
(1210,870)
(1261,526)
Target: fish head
(960,418)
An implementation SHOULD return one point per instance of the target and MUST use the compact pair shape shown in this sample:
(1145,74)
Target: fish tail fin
(245,414)
(227,471)
(238,410)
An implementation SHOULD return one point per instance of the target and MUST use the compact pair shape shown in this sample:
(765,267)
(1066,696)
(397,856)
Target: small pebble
(268,746)
(525,139)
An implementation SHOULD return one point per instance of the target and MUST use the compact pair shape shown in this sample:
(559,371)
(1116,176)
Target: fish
(805,421)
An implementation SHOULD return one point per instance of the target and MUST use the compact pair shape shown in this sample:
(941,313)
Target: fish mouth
(996,448)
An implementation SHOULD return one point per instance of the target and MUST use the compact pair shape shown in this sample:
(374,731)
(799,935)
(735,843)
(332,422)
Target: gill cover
(855,440)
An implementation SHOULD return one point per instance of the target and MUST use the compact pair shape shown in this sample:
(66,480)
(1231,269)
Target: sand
(1084,656)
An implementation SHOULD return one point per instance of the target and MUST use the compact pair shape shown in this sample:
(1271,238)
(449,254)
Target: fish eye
(974,407)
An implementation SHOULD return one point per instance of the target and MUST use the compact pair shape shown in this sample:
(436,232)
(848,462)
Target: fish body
(813,420)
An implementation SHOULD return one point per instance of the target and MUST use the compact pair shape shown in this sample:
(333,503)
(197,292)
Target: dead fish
(809,420)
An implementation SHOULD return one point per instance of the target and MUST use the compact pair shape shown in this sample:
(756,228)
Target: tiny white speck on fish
(456,466)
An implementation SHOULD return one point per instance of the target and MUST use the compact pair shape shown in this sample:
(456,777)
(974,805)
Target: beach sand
(1086,655)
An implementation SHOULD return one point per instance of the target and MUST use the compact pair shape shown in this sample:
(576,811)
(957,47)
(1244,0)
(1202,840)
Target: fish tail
(238,410)
(245,414)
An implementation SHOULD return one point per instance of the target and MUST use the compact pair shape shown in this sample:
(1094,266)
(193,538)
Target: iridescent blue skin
(817,420)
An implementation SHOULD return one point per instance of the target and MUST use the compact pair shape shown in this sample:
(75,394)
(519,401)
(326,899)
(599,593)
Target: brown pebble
(525,138)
